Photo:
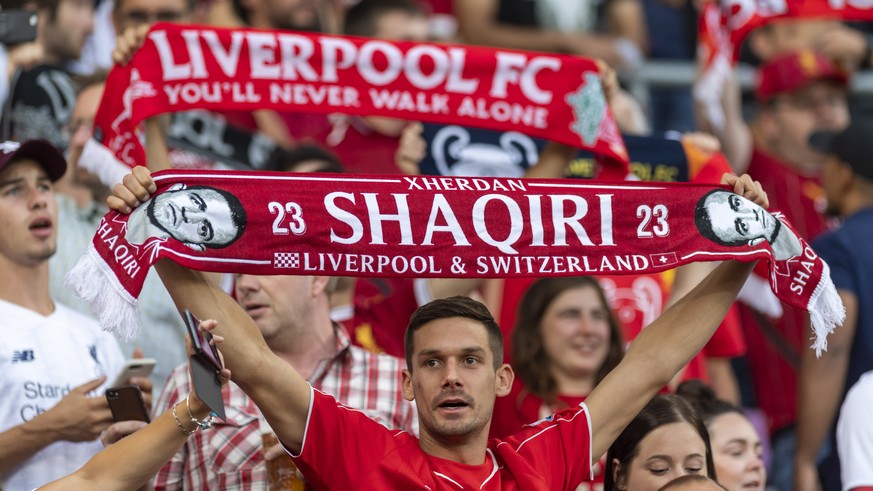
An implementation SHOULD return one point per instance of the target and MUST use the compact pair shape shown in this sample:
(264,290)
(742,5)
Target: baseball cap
(43,152)
(853,145)
(791,72)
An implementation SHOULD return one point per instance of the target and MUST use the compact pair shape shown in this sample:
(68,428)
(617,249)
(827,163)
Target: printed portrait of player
(198,216)
(731,220)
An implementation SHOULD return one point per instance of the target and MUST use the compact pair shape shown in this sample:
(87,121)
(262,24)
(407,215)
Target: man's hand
(78,417)
(845,45)
(120,430)
(25,56)
(748,188)
(128,42)
(608,80)
(135,189)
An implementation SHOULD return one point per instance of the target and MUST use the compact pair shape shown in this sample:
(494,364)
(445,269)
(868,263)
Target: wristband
(207,422)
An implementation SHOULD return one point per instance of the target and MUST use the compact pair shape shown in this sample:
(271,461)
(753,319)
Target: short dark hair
(457,306)
(660,411)
(237,214)
(704,221)
(282,160)
(362,19)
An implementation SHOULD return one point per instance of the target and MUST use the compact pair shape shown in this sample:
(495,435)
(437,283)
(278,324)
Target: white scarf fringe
(96,284)
(826,311)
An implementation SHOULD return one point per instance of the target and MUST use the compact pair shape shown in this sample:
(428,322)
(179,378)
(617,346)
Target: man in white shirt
(54,362)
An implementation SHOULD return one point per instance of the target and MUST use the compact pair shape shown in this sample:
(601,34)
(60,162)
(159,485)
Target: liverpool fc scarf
(180,68)
(740,17)
(434,226)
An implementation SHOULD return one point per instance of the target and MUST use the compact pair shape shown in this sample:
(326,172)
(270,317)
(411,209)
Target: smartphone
(17,26)
(201,341)
(127,404)
(134,367)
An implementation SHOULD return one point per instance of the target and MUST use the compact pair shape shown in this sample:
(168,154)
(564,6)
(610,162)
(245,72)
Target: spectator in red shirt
(565,340)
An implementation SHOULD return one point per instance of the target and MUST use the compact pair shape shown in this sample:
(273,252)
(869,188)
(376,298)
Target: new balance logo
(22,356)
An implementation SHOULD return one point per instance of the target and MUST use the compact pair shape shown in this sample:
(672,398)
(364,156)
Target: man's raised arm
(665,346)
(277,389)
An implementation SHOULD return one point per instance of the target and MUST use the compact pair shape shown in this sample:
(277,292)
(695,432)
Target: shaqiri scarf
(434,226)
(181,68)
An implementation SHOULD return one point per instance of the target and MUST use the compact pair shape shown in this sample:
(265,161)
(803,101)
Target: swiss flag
(663,259)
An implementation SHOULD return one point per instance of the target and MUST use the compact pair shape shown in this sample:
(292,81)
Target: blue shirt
(849,253)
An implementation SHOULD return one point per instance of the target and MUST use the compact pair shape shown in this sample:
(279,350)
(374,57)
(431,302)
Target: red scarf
(740,17)
(189,67)
(434,226)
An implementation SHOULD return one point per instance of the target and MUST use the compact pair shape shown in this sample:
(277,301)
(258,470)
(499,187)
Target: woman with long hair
(565,340)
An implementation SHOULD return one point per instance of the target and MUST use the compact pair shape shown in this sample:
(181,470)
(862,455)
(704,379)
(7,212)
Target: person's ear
(196,247)
(503,381)
(406,385)
(319,285)
(847,177)
(756,241)
(619,477)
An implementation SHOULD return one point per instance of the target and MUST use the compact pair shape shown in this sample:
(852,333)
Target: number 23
(660,228)
(296,224)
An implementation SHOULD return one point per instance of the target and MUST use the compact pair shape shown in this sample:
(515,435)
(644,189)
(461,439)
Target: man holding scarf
(455,372)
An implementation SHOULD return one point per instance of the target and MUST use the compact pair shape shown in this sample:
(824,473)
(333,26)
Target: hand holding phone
(201,341)
(17,26)
(204,365)
(126,404)
(134,367)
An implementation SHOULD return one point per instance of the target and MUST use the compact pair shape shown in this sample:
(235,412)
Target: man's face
(276,303)
(131,13)
(400,26)
(28,214)
(820,106)
(453,380)
(64,36)
(194,216)
(735,218)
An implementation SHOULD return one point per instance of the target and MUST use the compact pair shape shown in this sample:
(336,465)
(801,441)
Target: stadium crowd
(693,378)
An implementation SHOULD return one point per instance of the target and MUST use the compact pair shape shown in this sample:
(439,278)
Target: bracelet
(207,423)
(179,423)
